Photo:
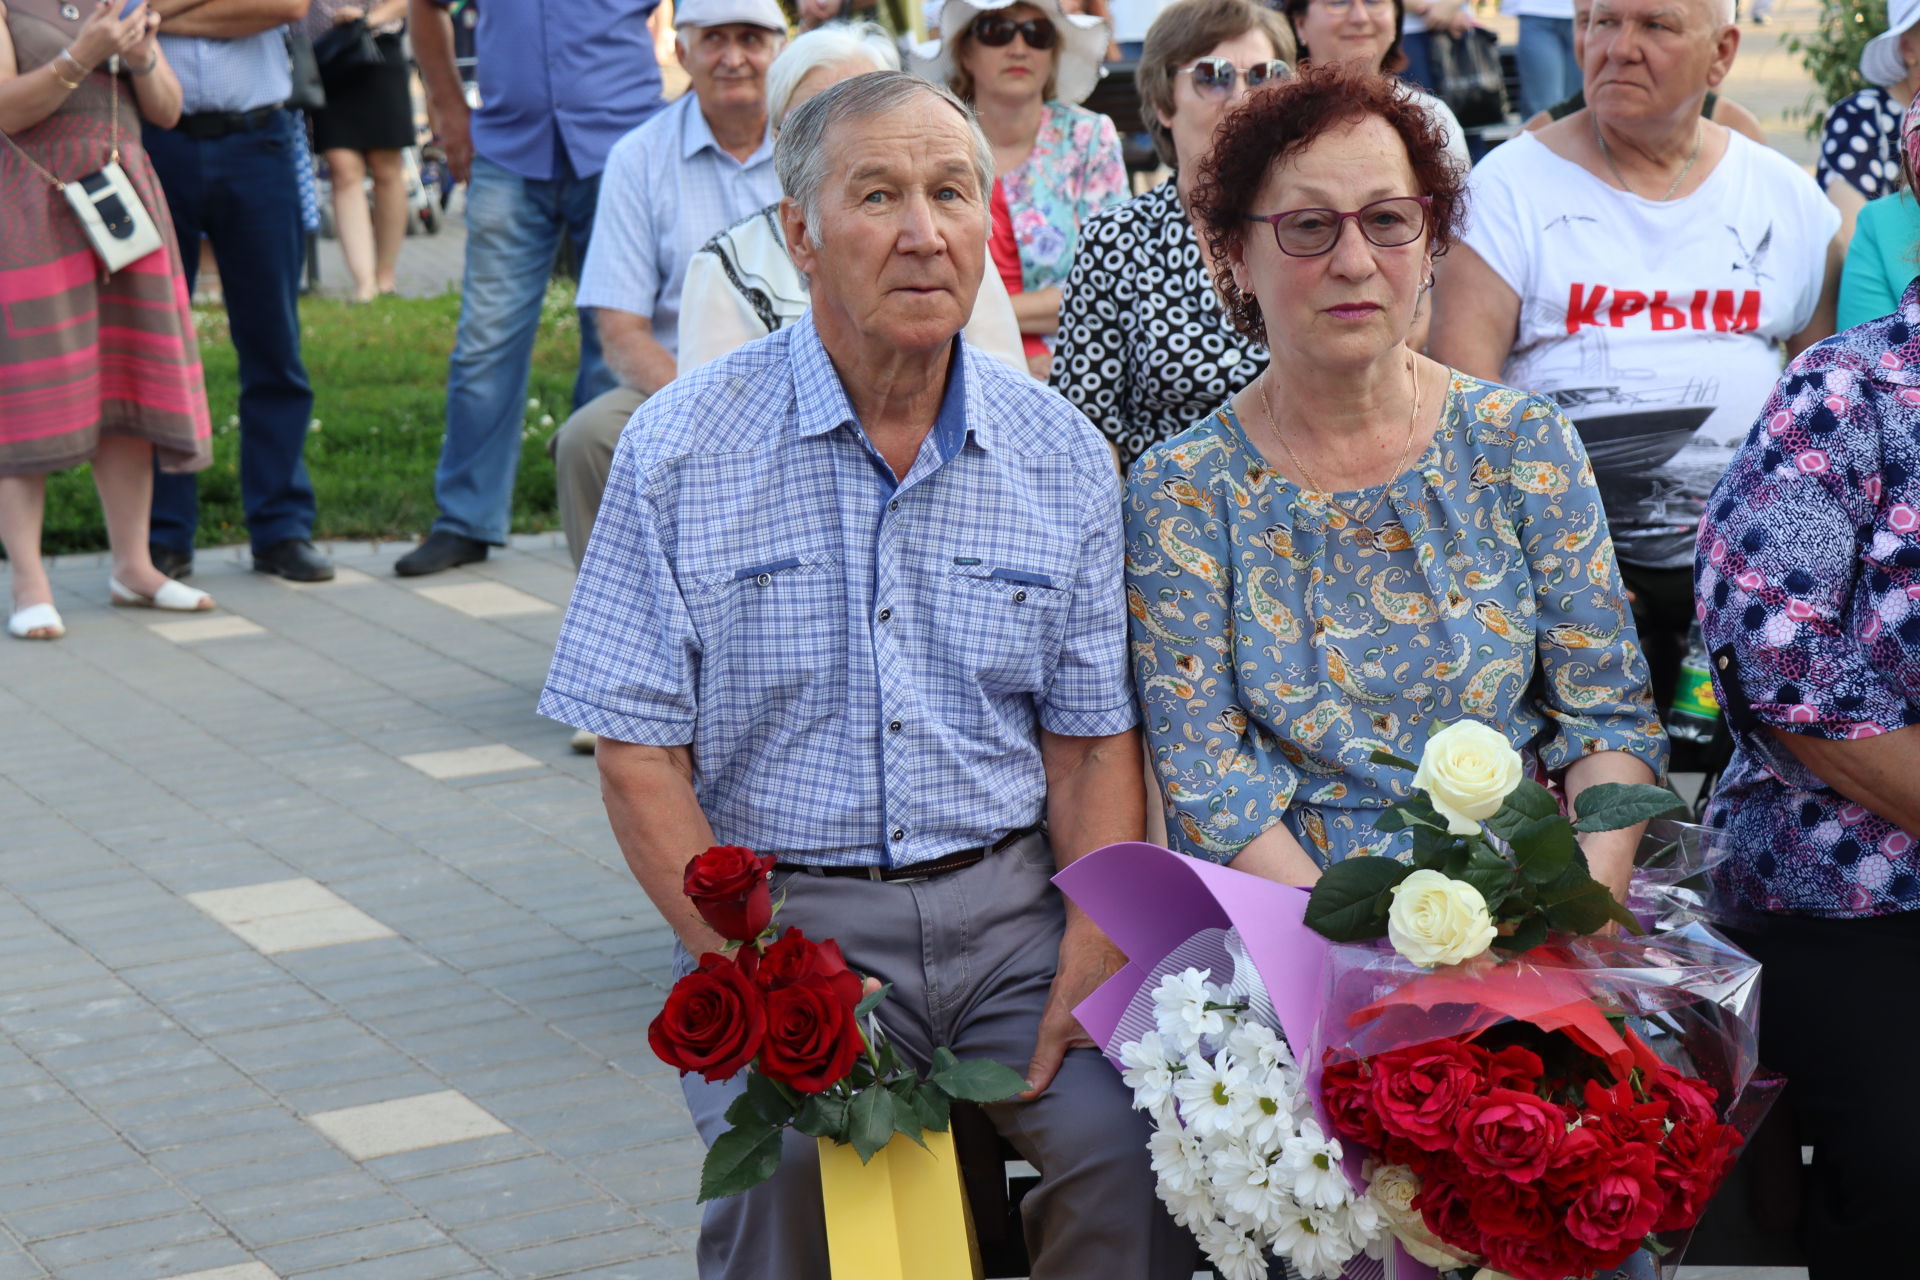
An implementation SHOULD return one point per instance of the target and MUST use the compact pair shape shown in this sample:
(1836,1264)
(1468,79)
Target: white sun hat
(1880,60)
(1078,53)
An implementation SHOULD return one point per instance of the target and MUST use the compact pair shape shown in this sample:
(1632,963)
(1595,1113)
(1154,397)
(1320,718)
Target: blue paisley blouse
(1276,644)
(1808,572)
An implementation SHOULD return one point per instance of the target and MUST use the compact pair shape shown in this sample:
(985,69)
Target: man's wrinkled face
(728,64)
(898,235)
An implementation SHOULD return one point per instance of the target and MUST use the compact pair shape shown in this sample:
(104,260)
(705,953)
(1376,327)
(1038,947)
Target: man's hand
(451,125)
(1087,959)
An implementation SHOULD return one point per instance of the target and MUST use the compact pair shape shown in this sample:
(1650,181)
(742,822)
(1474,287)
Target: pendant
(70,12)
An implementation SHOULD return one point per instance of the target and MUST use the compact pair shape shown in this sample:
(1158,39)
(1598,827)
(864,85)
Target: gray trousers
(582,451)
(971,955)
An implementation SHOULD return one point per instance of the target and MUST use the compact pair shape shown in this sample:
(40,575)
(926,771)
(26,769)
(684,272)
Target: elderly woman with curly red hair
(1363,544)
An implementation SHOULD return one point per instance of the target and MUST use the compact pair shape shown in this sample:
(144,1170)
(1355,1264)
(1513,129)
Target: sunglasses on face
(1215,77)
(995,30)
(1387,224)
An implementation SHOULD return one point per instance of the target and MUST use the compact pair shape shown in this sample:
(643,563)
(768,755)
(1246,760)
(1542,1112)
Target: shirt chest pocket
(773,635)
(1001,626)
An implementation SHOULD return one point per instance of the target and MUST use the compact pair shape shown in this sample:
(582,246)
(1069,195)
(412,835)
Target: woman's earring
(1427,283)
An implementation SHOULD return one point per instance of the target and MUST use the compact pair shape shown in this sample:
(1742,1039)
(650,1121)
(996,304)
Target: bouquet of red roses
(787,1010)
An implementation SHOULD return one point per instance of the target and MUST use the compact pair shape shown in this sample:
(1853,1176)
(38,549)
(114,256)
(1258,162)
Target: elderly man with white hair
(875,576)
(1647,268)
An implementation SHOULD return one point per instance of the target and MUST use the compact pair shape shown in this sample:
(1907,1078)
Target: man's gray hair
(827,46)
(800,154)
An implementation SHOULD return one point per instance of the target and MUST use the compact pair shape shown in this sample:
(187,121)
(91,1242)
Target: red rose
(1577,1159)
(1349,1102)
(1620,1204)
(713,1021)
(1690,1166)
(1529,1258)
(1503,1207)
(794,958)
(1509,1133)
(812,1038)
(1515,1068)
(1689,1100)
(1621,1116)
(1448,1213)
(729,888)
(1418,1091)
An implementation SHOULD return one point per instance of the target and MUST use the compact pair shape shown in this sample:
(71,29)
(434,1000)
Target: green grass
(379,374)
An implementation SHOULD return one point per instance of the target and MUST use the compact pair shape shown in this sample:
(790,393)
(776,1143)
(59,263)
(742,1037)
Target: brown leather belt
(957,861)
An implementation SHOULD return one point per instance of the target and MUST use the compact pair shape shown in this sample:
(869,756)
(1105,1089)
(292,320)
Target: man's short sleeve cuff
(602,723)
(1089,724)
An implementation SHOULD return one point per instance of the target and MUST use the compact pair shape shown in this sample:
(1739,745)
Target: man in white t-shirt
(1646,268)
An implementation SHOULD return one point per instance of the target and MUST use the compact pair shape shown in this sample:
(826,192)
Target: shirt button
(765,579)
(1723,662)
(1019,597)
(899,833)
(886,615)
(895,726)
(894,505)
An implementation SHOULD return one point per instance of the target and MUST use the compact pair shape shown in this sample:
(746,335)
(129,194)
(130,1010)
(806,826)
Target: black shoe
(442,550)
(296,560)
(171,563)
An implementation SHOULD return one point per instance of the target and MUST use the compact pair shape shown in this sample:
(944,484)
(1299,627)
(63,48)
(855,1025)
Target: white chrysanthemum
(1266,1116)
(1180,1009)
(1366,1226)
(1195,1211)
(1178,1161)
(1256,1045)
(1246,1182)
(1315,1242)
(1213,1095)
(1238,1255)
(1149,1070)
(1311,1162)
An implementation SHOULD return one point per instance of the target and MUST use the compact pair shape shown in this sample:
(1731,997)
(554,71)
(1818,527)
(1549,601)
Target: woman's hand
(347,13)
(105,34)
(144,55)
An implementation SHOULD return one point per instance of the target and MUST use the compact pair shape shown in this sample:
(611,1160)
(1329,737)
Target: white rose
(1468,770)
(1438,920)
(1425,1248)
(1392,1187)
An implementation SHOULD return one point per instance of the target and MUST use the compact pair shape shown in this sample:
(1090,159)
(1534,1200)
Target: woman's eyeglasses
(1215,77)
(995,30)
(1387,224)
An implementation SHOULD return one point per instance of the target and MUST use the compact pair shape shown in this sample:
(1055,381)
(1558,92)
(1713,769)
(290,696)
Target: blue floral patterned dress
(1276,644)
(1809,575)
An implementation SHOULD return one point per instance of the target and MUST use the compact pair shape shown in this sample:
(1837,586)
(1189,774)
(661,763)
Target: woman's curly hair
(1283,120)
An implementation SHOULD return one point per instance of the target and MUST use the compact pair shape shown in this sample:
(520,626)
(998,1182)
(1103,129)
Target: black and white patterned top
(1144,349)
(1862,143)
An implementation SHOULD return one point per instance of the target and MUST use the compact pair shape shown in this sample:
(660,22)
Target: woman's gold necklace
(1413,421)
(1699,139)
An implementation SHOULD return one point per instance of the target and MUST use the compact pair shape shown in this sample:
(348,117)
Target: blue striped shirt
(862,667)
(241,74)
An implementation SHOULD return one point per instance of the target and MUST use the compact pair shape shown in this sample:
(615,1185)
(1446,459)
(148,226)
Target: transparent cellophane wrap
(1688,993)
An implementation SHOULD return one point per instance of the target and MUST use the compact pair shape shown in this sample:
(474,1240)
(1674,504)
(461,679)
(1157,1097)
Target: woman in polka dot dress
(1860,147)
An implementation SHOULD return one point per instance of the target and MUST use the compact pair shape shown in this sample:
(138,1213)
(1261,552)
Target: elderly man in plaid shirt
(854,599)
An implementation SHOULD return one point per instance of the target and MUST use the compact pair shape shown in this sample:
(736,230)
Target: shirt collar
(696,136)
(821,402)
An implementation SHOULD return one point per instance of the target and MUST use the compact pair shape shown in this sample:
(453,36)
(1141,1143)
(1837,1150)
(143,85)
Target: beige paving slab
(342,577)
(244,1271)
(289,915)
(221,626)
(486,599)
(468,762)
(406,1124)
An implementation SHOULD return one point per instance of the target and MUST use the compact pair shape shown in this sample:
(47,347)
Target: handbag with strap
(116,221)
(347,46)
(1466,76)
(307,93)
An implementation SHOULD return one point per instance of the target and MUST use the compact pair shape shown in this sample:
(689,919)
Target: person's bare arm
(228,19)
(1849,202)
(1826,313)
(386,11)
(1095,797)
(432,32)
(1275,854)
(1476,315)
(632,352)
(1609,853)
(1739,119)
(1877,773)
(650,803)
(155,88)
(26,100)
(1039,311)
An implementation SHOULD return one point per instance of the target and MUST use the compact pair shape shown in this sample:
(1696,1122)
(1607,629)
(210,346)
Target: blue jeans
(242,194)
(1548,72)
(513,230)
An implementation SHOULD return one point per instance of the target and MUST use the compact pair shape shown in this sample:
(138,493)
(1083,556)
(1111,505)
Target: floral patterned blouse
(1809,580)
(1276,644)
(1073,171)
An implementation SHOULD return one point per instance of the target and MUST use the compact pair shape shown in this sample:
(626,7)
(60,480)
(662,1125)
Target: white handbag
(116,221)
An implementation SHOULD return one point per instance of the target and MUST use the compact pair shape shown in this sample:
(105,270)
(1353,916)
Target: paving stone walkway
(317,958)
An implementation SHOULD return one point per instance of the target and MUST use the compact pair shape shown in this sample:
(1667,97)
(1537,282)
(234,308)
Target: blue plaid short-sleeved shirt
(861,666)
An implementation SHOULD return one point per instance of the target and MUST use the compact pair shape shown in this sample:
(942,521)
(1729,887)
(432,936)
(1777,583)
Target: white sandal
(177,597)
(36,617)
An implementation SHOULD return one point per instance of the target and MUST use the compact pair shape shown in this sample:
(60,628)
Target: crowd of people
(1505,448)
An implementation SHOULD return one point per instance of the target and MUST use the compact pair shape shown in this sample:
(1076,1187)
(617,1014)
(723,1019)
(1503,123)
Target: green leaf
(1431,847)
(1608,806)
(1526,803)
(772,1104)
(1544,848)
(1530,934)
(742,1157)
(871,1001)
(1491,874)
(1585,909)
(933,1107)
(741,1111)
(1415,811)
(1349,904)
(823,1115)
(906,1121)
(870,1122)
(944,1060)
(980,1080)
(1398,762)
